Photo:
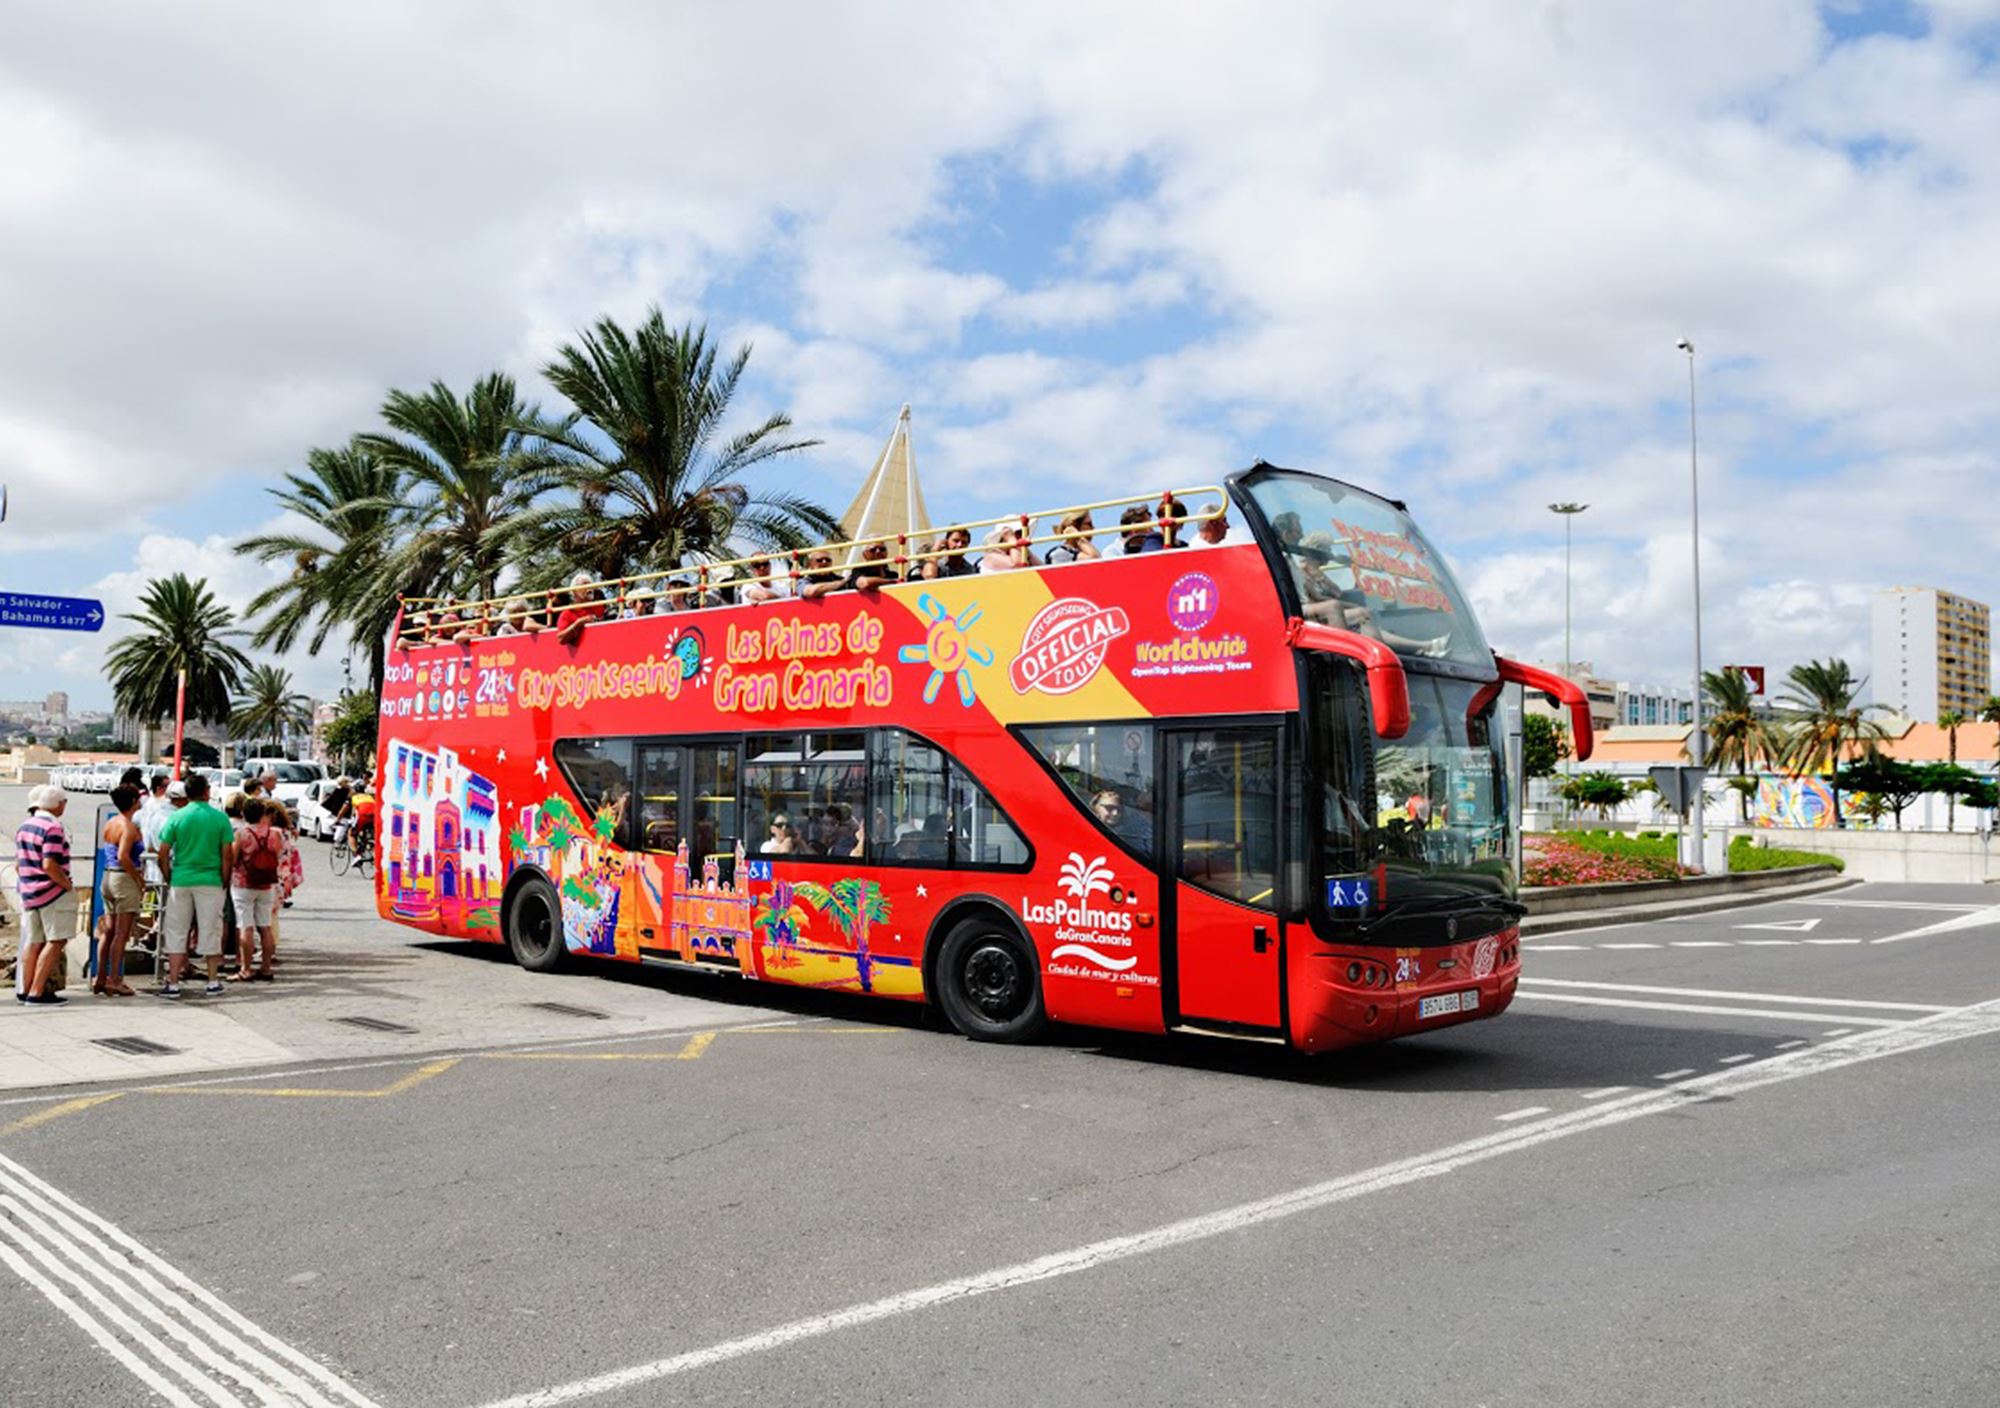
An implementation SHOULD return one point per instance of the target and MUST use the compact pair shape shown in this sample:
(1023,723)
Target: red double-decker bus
(1255,789)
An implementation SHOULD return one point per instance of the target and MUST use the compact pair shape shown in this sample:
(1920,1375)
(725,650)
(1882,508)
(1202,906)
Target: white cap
(177,788)
(52,797)
(35,795)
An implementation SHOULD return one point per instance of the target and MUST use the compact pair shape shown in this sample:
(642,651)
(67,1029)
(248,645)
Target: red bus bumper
(1352,996)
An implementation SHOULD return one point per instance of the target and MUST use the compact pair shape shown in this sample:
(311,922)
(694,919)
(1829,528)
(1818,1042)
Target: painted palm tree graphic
(1084,878)
(782,919)
(854,905)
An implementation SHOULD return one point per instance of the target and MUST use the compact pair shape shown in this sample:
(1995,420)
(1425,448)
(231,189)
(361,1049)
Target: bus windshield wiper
(1476,904)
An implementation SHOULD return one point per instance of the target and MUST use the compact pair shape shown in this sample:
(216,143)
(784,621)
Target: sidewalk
(338,960)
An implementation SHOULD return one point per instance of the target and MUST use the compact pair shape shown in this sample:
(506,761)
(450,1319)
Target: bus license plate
(1447,1003)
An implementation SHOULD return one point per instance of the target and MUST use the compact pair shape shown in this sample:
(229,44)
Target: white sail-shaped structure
(891,501)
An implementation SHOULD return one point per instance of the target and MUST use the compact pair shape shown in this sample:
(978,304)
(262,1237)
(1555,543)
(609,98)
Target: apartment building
(1932,652)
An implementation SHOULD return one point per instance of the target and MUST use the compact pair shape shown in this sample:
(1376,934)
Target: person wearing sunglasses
(783,841)
(820,579)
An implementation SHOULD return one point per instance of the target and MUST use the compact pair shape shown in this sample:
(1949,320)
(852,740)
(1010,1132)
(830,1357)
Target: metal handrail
(424,619)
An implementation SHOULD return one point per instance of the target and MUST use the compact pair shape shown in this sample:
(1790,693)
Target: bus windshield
(1440,803)
(1359,562)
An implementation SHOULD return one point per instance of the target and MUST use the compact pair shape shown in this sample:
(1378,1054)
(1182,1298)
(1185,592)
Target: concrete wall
(1919,857)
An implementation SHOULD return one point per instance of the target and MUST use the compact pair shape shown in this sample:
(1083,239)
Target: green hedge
(1745,855)
(1617,843)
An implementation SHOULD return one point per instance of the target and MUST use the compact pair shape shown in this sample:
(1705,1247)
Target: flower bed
(1569,860)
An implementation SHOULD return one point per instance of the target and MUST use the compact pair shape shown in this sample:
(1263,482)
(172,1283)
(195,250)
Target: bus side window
(909,806)
(600,771)
(774,792)
(981,833)
(1109,769)
(837,798)
(659,795)
(712,822)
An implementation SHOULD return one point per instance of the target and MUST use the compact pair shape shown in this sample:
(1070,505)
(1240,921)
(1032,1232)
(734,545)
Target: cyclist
(356,822)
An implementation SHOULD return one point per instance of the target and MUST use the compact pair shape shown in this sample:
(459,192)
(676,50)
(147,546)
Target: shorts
(122,894)
(197,907)
(254,908)
(51,924)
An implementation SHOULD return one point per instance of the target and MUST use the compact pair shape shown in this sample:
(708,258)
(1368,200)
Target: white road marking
(1891,904)
(1607,1091)
(1703,943)
(1703,1009)
(1768,943)
(1740,1056)
(1839,1031)
(1976,920)
(1724,992)
(75,1246)
(1628,945)
(1833,941)
(1789,926)
(1675,1075)
(1956,1025)
(1795,1042)
(1522,1114)
(1562,948)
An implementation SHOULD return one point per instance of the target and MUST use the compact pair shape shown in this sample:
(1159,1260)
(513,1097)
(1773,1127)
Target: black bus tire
(534,926)
(988,984)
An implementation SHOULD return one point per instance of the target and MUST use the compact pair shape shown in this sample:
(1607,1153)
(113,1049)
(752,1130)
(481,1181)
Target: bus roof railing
(435,620)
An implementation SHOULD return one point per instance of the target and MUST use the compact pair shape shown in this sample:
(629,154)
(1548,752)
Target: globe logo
(1192,601)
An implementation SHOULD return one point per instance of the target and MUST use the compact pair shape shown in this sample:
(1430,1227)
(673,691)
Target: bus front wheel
(987,983)
(534,927)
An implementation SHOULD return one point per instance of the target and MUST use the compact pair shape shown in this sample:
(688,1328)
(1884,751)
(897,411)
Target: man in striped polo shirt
(41,861)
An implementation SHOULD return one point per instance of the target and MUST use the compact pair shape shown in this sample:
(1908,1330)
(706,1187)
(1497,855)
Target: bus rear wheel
(987,983)
(534,927)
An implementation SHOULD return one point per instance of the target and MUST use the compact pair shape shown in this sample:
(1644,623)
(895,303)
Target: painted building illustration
(710,919)
(441,859)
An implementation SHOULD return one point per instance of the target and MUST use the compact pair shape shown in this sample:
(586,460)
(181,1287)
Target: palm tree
(653,487)
(1826,722)
(181,627)
(471,469)
(268,707)
(1737,737)
(854,905)
(1989,713)
(1950,721)
(347,498)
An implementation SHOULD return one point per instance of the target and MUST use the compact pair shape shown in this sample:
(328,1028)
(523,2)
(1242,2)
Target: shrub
(1746,855)
(1567,860)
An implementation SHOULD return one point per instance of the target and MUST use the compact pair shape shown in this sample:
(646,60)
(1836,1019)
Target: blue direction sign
(51,613)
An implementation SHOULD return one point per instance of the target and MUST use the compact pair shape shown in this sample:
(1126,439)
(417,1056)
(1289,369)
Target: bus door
(1219,873)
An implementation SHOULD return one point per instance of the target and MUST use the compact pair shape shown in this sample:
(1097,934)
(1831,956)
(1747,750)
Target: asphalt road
(1742,1158)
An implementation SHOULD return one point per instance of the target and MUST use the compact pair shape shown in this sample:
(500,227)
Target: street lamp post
(1697,740)
(1569,513)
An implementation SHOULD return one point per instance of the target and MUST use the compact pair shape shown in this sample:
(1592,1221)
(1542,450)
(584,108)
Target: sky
(1444,251)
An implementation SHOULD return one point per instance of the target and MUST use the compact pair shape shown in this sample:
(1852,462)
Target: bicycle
(345,855)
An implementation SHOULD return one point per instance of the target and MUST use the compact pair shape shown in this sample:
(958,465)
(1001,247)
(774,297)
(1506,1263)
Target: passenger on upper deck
(924,567)
(821,580)
(1347,607)
(873,571)
(1077,544)
(1140,532)
(956,542)
(1214,532)
(1006,550)
(584,607)
(760,588)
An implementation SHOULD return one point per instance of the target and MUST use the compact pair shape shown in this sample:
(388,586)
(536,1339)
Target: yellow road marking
(56,1112)
(696,1044)
(414,1078)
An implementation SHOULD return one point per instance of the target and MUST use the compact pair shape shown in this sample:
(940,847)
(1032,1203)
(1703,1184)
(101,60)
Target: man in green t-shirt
(197,853)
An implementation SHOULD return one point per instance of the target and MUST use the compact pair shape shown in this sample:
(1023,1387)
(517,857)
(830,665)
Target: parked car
(293,777)
(313,818)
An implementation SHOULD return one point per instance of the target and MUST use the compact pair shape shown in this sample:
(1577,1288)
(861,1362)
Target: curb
(1535,925)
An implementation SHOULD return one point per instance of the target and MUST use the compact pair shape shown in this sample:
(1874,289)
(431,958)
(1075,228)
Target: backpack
(260,862)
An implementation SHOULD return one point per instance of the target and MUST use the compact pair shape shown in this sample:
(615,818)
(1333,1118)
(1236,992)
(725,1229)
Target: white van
(293,778)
